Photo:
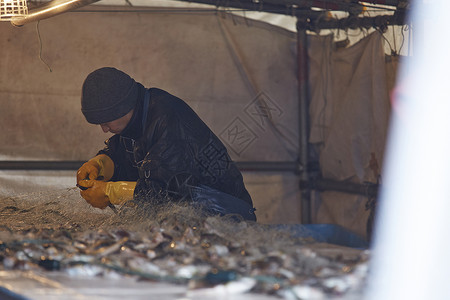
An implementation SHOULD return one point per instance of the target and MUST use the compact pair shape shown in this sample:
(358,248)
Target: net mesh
(10,9)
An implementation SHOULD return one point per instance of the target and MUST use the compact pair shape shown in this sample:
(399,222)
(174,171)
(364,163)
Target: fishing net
(58,231)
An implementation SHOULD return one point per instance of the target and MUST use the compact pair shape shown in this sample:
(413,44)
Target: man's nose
(104,127)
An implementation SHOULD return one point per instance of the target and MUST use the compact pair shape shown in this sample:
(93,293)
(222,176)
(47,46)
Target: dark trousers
(216,202)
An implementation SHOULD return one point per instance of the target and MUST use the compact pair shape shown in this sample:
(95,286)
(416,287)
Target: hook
(393,53)
(404,28)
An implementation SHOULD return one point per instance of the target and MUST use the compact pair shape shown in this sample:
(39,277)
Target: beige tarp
(350,111)
(233,72)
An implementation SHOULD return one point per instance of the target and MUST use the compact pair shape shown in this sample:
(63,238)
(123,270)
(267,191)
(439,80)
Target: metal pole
(354,22)
(303,94)
(367,190)
(32,165)
(51,9)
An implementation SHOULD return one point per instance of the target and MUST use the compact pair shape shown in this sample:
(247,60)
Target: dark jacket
(168,149)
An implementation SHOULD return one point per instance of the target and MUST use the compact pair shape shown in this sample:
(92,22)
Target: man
(161,151)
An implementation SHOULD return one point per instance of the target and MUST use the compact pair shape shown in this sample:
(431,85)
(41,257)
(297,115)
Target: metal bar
(267,166)
(303,94)
(50,9)
(40,165)
(253,6)
(384,2)
(292,7)
(299,8)
(353,22)
(262,166)
(311,19)
(326,4)
(368,190)
(336,4)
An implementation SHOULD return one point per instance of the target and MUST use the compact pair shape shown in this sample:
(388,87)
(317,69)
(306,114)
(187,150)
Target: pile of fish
(175,245)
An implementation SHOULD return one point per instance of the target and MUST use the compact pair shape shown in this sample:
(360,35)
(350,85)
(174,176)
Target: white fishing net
(58,230)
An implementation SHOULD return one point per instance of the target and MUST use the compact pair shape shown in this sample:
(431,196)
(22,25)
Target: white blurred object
(410,253)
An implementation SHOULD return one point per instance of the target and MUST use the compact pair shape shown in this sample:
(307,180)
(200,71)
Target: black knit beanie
(107,95)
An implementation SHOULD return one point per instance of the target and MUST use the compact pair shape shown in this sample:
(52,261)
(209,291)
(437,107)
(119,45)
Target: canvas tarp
(350,110)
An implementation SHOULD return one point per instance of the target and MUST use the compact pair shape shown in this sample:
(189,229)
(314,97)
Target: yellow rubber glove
(100,193)
(95,194)
(98,167)
(120,192)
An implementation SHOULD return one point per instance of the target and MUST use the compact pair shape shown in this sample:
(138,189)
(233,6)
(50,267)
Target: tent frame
(307,20)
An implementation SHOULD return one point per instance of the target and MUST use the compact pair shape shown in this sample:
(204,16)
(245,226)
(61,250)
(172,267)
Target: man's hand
(100,193)
(89,170)
(100,166)
(95,194)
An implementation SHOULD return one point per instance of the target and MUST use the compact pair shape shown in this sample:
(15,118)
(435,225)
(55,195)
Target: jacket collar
(134,128)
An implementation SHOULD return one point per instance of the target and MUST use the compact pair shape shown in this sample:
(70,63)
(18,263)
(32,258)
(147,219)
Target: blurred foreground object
(410,255)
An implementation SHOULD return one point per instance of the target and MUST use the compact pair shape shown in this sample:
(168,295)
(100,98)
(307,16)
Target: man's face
(117,126)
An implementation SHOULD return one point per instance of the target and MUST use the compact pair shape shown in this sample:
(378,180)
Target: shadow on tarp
(325,233)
